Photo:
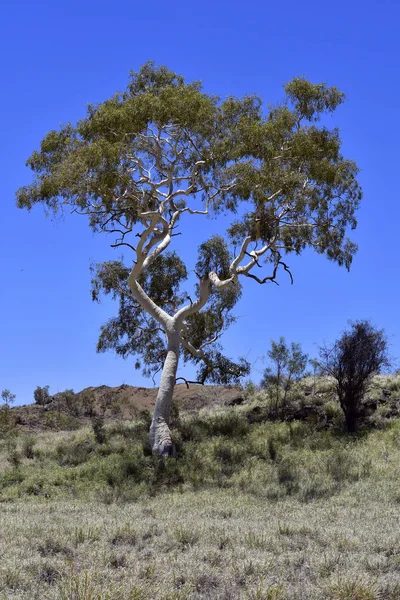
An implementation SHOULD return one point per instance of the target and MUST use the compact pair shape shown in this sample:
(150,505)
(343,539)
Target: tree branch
(188,381)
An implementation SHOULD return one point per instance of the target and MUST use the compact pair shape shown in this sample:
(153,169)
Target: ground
(254,510)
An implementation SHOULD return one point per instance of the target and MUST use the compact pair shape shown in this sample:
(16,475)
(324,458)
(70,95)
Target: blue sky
(58,56)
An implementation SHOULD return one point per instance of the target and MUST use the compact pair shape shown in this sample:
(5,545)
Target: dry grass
(207,544)
(270,511)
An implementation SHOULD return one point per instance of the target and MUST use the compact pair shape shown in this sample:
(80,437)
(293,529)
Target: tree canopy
(135,163)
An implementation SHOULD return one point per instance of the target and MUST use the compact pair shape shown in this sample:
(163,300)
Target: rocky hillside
(69,410)
(311,399)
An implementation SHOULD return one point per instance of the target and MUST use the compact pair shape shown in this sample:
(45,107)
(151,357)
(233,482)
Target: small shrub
(186,537)
(287,475)
(288,364)
(12,578)
(124,535)
(10,479)
(98,429)
(339,466)
(351,590)
(230,424)
(117,561)
(250,388)
(14,458)
(49,574)
(34,489)
(74,454)
(82,585)
(206,582)
(28,447)
(70,400)
(145,417)
(228,453)
(331,409)
(7,422)
(87,400)
(135,466)
(52,547)
(272,448)
(61,422)
(166,473)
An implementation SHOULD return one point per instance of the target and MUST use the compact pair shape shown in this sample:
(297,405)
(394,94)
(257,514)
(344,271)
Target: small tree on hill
(288,365)
(41,395)
(8,397)
(159,157)
(359,354)
(70,401)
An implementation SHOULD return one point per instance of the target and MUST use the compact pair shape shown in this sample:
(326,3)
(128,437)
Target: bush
(288,364)
(360,353)
(74,454)
(13,456)
(41,395)
(87,400)
(70,401)
(7,422)
(28,446)
(60,421)
(98,429)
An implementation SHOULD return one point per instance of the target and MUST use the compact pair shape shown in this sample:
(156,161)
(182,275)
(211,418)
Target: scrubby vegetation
(360,353)
(257,508)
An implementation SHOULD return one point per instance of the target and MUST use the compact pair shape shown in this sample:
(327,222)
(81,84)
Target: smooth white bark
(156,236)
(160,434)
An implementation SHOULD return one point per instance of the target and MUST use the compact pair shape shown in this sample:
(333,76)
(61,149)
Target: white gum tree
(136,163)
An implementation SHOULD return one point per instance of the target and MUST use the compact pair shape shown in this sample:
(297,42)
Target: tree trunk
(160,434)
(349,403)
(351,420)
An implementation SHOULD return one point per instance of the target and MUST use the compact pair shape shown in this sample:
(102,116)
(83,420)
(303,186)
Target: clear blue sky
(58,56)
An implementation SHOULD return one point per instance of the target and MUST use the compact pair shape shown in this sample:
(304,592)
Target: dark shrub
(100,434)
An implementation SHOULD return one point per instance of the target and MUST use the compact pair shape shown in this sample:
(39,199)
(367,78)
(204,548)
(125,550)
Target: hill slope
(122,402)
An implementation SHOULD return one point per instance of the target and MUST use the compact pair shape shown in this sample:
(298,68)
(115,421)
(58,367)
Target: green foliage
(41,395)
(87,400)
(270,460)
(288,366)
(360,353)
(98,429)
(8,397)
(278,175)
(312,100)
(60,421)
(28,447)
(70,401)
(133,331)
(74,454)
(7,422)
(14,457)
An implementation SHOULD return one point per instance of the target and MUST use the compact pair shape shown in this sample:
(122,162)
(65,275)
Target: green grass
(263,511)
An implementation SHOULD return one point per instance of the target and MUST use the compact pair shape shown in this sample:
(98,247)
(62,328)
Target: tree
(360,353)
(7,397)
(149,160)
(289,363)
(70,401)
(41,395)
